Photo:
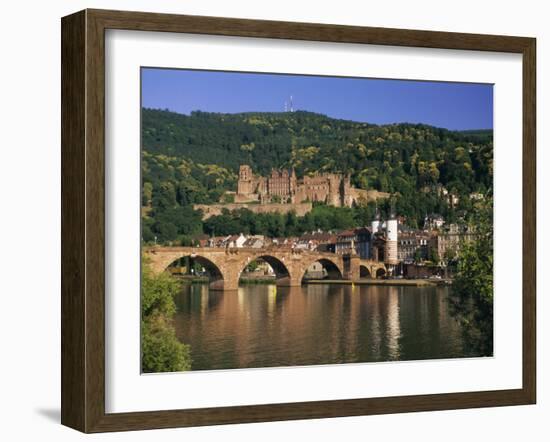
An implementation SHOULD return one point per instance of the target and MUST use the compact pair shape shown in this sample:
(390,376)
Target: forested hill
(382,157)
(195,159)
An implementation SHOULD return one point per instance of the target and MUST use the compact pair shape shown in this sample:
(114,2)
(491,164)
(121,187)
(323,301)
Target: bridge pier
(229,282)
(289,281)
(224,286)
(351,268)
(372,272)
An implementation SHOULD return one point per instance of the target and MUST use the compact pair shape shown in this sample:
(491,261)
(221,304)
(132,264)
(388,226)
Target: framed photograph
(269,220)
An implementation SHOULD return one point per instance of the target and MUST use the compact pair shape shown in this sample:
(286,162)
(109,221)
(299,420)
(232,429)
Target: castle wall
(246,198)
(216,209)
(279,184)
(356,195)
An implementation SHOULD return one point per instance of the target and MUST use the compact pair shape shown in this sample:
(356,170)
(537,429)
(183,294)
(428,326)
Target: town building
(446,245)
(283,243)
(321,241)
(254,242)
(421,271)
(433,221)
(450,198)
(378,247)
(200,240)
(413,245)
(228,241)
(356,241)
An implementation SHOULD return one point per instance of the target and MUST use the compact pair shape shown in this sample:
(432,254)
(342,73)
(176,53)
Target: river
(266,326)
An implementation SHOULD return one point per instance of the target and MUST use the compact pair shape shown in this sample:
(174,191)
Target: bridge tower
(375,224)
(390,252)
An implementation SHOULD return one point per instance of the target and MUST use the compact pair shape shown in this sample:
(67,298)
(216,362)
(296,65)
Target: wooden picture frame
(83,220)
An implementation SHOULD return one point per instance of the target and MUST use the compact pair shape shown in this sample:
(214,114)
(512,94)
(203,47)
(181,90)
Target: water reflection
(265,325)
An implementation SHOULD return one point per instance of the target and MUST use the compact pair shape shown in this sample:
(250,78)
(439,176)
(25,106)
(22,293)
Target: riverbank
(189,279)
(387,282)
(390,282)
(257,280)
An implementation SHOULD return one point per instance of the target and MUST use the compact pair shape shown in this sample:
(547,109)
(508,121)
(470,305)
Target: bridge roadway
(225,265)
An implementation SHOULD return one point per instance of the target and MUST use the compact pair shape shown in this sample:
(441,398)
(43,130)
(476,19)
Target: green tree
(434,256)
(161,350)
(167,231)
(292,226)
(253,266)
(229,198)
(164,196)
(147,194)
(472,291)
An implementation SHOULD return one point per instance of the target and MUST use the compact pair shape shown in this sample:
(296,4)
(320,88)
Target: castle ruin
(283,186)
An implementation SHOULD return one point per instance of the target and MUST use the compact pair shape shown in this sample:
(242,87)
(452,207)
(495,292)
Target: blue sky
(455,106)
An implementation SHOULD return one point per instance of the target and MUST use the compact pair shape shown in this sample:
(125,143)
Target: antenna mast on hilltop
(288,105)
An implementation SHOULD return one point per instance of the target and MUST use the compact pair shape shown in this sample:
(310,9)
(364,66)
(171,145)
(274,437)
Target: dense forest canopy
(195,159)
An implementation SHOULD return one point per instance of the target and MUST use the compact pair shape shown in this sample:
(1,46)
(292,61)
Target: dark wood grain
(95,221)
(529,270)
(73,252)
(144,21)
(83,220)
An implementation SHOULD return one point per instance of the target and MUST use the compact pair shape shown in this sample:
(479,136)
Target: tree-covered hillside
(195,159)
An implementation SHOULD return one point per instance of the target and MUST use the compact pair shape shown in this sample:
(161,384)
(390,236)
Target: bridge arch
(364,272)
(380,272)
(282,274)
(333,271)
(215,275)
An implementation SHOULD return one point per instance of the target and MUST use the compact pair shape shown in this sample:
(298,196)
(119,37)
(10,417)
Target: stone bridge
(225,265)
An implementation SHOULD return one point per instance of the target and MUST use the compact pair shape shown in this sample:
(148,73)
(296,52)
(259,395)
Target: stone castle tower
(244,185)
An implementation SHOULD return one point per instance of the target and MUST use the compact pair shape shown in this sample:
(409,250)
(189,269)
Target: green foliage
(177,223)
(253,266)
(434,256)
(329,218)
(310,142)
(472,292)
(228,198)
(284,225)
(157,293)
(194,159)
(170,187)
(161,349)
